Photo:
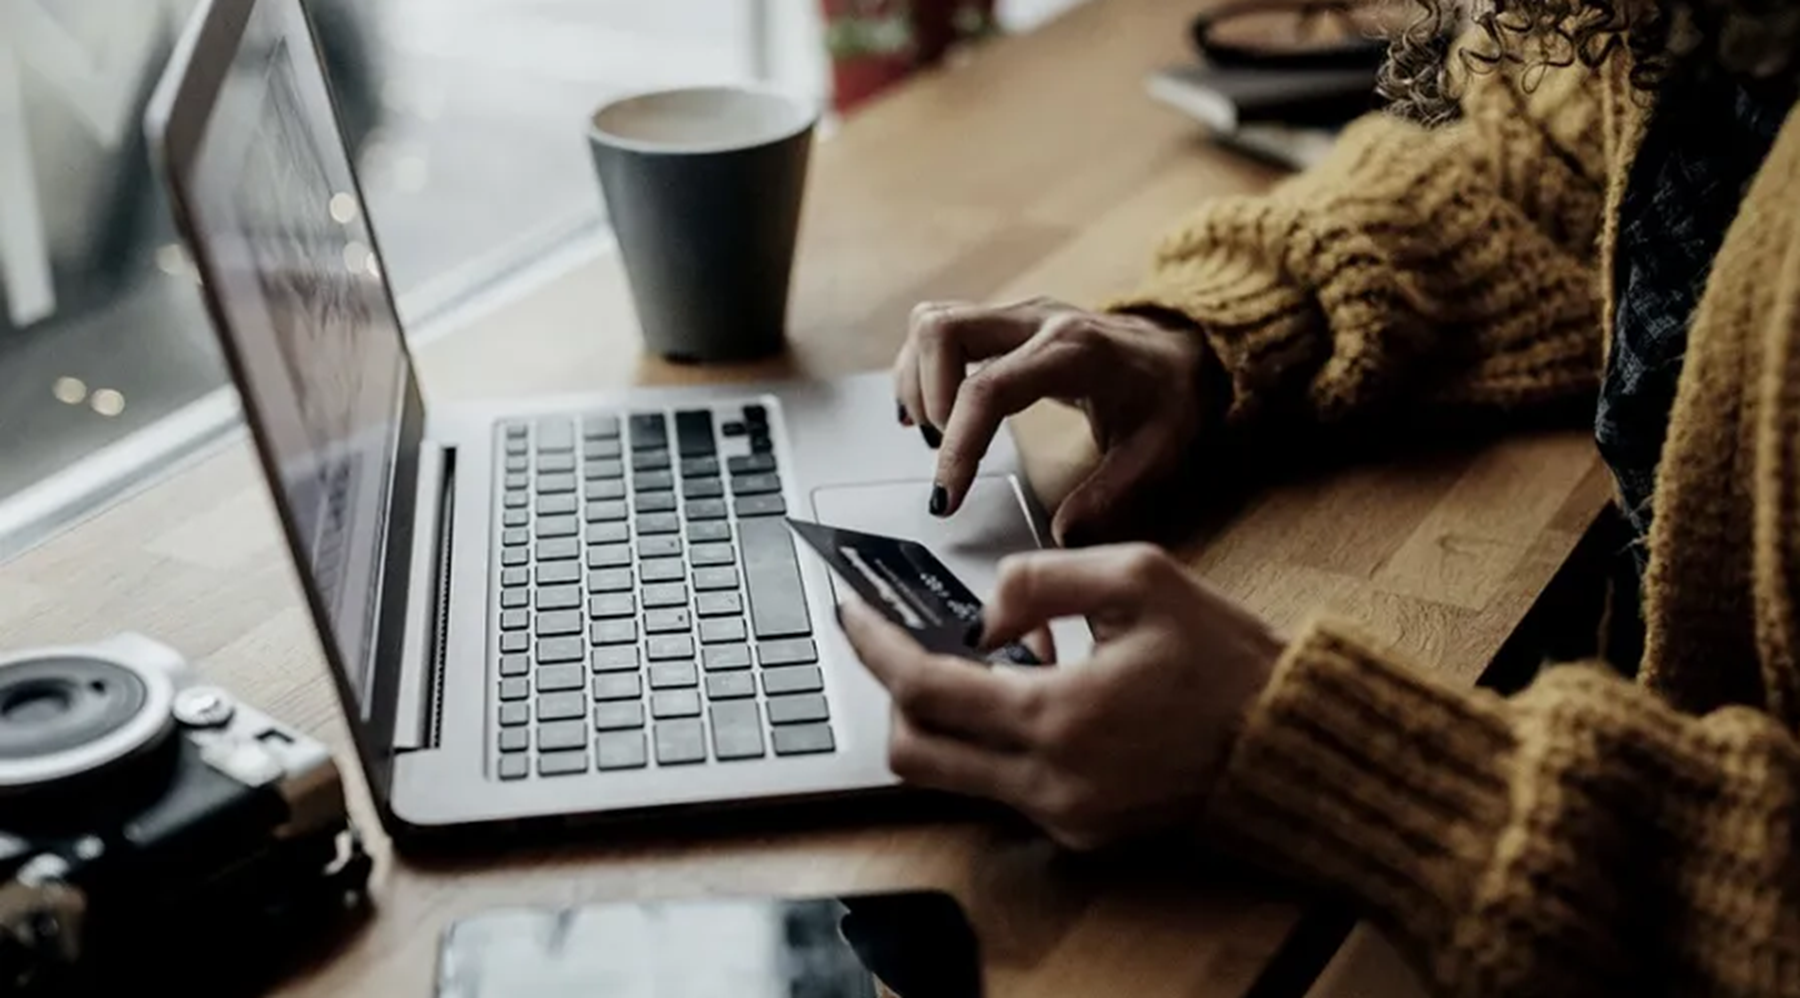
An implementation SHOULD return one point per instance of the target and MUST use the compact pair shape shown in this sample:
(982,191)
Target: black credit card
(909,585)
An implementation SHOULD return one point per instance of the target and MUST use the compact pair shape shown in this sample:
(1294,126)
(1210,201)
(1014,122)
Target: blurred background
(467,118)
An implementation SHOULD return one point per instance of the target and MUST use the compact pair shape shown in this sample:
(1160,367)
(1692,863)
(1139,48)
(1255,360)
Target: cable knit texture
(1588,835)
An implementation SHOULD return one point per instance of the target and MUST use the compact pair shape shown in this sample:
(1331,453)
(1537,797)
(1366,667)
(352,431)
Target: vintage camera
(154,829)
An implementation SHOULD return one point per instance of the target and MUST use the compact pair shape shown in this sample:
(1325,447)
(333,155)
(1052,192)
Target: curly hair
(1758,39)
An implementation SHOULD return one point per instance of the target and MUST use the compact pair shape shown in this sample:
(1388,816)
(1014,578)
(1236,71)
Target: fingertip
(933,437)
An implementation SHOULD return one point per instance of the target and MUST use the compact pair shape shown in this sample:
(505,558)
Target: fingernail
(932,437)
(972,637)
(940,500)
(900,413)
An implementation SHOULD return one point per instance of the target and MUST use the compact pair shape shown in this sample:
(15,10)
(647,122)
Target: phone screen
(908,945)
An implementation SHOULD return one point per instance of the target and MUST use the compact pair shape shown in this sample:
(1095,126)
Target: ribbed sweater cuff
(1360,775)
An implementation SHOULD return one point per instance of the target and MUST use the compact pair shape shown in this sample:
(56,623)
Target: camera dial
(65,716)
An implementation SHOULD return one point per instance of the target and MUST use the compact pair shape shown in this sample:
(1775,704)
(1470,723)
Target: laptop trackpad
(991,524)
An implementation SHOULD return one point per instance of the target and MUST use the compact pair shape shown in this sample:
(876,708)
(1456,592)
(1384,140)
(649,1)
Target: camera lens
(62,716)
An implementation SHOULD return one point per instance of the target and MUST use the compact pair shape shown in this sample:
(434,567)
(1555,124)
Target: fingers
(1042,644)
(940,693)
(1055,362)
(1102,495)
(943,338)
(941,762)
(1039,587)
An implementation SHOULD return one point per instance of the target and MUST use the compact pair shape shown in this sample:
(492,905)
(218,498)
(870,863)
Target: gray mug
(704,186)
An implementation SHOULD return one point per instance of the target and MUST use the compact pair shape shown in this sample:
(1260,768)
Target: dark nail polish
(940,500)
(972,637)
(900,413)
(932,437)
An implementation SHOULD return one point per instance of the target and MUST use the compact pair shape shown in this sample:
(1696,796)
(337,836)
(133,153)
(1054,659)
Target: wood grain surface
(1036,166)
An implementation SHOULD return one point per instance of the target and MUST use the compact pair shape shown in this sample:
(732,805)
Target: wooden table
(1037,167)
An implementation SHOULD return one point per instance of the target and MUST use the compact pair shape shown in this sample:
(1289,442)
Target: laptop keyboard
(650,610)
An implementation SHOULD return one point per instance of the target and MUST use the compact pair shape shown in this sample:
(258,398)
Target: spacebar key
(772,576)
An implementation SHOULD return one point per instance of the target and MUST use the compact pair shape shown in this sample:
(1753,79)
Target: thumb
(1090,512)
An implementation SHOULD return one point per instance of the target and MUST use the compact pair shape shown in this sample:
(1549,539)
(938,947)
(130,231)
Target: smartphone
(903,945)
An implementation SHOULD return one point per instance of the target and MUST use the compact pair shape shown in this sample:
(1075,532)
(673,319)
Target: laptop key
(756,415)
(617,686)
(516,431)
(702,488)
(606,510)
(618,715)
(673,676)
(558,597)
(755,484)
(555,462)
(514,767)
(514,557)
(557,526)
(559,622)
(694,433)
(793,651)
(719,604)
(517,499)
(708,531)
(737,730)
(803,739)
(560,706)
(614,658)
(557,505)
(659,546)
(609,580)
(705,509)
(751,464)
(513,642)
(609,556)
(718,658)
(713,553)
(653,481)
(662,570)
(602,427)
(514,518)
(669,646)
(699,467)
(761,443)
(658,523)
(648,430)
(555,433)
(557,735)
(601,450)
(777,600)
(613,632)
(803,709)
(792,679)
(608,533)
(730,686)
(514,620)
(602,470)
(764,505)
(605,488)
(665,594)
(515,688)
(514,713)
(553,650)
(735,428)
(612,605)
(517,480)
(558,549)
(718,630)
(667,620)
(620,750)
(552,484)
(715,578)
(654,502)
(517,463)
(514,599)
(515,665)
(558,572)
(517,445)
(562,763)
(675,703)
(680,742)
(649,460)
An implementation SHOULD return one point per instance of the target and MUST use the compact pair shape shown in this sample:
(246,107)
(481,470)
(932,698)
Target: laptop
(559,608)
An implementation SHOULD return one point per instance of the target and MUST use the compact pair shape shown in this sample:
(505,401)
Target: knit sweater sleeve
(1453,265)
(1580,837)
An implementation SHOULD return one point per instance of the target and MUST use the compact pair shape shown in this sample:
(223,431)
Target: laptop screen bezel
(177,120)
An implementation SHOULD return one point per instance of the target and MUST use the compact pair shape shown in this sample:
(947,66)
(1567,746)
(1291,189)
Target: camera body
(141,810)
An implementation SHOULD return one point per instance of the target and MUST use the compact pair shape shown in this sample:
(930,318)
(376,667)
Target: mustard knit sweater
(1588,835)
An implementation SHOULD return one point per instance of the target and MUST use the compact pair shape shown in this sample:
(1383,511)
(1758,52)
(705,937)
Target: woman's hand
(1135,379)
(1126,742)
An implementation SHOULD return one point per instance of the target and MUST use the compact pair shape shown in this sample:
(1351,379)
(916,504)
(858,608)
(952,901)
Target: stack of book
(1289,116)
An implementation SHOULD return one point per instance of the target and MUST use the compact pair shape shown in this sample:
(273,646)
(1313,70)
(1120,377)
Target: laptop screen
(322,365)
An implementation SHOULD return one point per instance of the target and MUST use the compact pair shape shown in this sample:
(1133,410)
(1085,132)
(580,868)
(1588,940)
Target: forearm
(1579,838)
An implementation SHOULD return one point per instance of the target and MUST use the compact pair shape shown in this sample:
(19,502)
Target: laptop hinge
(420,701)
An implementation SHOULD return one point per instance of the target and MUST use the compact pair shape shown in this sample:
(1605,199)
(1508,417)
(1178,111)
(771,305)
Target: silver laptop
(571,606)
